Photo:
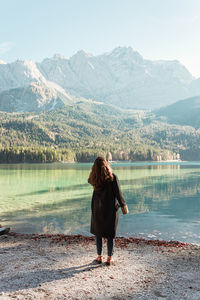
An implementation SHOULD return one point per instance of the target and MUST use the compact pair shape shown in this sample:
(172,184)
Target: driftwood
(4,230)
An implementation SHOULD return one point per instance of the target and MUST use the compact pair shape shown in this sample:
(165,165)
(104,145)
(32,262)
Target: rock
(4,230)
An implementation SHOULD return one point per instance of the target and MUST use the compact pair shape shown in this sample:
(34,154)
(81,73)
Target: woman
(106,200)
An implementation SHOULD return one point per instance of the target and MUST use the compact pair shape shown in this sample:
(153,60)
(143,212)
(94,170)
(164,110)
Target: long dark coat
(105,209)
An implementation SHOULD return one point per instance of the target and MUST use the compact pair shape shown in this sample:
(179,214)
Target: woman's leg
(110,246)
(99,245)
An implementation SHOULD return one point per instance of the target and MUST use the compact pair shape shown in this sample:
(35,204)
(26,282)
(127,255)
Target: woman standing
(106,200)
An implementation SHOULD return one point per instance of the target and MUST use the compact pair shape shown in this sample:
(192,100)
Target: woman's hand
(125,210)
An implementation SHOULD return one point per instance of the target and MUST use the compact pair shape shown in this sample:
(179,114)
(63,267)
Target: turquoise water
(163,199)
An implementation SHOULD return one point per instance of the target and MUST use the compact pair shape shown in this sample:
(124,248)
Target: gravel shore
(60,267)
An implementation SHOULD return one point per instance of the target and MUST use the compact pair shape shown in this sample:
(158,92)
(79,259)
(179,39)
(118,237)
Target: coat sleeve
(92,202)
(118,192)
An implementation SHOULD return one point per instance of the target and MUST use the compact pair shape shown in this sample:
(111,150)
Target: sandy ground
(60,267)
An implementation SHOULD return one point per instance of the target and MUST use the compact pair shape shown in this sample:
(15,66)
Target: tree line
(49,155)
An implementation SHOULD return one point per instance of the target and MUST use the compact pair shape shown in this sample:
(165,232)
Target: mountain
(183,112)
(85,124)
(121,77)
(35,97)
(24,89)
(19,74)
(2,62)
(195,87)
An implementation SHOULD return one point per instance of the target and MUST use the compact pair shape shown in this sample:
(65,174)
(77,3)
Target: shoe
(98,260)
(109,261)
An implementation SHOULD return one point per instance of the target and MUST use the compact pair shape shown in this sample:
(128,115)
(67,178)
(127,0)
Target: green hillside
(183,112)
(87,129)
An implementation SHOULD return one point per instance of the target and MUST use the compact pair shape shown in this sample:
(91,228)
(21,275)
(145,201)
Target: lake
(163,199)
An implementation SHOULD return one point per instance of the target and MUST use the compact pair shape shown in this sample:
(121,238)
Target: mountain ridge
(182,112)
(121,77)
(35,97)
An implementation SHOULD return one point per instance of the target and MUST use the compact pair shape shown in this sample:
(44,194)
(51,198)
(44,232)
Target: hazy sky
(157,29)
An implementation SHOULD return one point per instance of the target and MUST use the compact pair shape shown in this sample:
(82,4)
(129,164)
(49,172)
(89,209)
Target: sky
(157,29)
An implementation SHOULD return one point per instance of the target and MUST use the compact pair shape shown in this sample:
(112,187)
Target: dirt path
(59,267)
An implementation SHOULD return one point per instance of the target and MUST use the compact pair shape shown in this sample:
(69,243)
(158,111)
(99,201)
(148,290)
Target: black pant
(110,245)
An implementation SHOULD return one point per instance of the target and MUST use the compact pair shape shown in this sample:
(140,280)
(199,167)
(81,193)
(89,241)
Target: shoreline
(90,162)
(126,239)
(70,238)
(58,266)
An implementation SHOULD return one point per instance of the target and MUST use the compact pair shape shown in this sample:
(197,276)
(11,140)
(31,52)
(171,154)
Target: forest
(79,134)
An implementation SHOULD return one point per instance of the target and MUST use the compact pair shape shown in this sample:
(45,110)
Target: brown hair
(100,174)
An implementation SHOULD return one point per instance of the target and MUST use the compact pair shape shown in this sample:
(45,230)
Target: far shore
(111,162)
(58,266)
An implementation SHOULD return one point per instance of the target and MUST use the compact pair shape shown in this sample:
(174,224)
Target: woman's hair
(100,174)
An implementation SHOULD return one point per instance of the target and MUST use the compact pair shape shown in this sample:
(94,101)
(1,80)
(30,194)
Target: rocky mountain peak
(120,77)
(19,74)
(81,55)
(125,53)
(58,56)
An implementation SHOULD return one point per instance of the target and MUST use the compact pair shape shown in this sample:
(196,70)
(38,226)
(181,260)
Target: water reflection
(164,200)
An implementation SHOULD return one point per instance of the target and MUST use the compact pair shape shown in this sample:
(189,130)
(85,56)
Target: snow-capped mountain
(121,77)
(19,74)
(23,88)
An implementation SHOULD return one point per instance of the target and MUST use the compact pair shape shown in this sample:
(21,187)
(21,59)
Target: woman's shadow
(33,279)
